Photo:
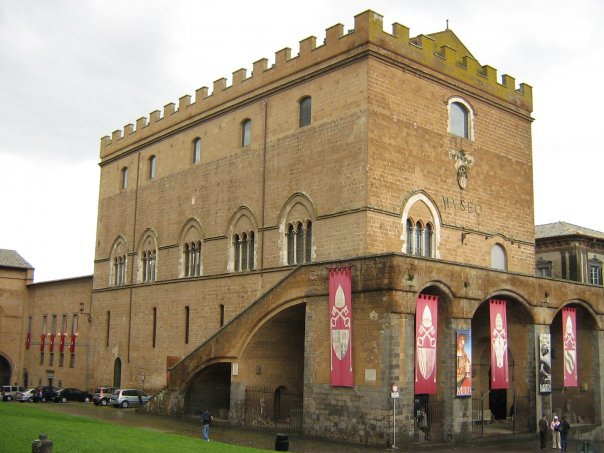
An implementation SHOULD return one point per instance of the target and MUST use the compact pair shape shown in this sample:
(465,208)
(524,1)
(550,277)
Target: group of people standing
(559,428)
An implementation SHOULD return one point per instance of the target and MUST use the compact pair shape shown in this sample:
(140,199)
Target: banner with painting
(464,363)
(545,363)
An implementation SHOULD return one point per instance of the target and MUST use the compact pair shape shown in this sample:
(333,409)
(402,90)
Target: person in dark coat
(564,429)
(206,419)
(543,427)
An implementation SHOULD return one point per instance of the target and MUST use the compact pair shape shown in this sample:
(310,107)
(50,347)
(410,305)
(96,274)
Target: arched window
(237,246)
(305,111)
(308,257)
(152,164)
(409,237)
(459,120)
(243,248)
(290,245)
(428,240)
(124,177)
(192,259)
(419,239)
(246,132)
(498,257)
(148,265)
(117,273)
(196,150)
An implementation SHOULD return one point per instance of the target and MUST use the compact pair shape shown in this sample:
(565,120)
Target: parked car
(102,394)
(128,397)
(43,393)
(8,392)
(25,395)
(71,394)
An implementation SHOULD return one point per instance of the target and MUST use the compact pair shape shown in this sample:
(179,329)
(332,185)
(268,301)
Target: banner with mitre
(569,329)
(499,345)
(340,326)
(426,334)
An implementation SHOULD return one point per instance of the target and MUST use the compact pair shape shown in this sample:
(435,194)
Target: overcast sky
(73,71)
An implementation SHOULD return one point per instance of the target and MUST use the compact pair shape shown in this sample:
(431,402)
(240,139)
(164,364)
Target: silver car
(25,395)
(128,397)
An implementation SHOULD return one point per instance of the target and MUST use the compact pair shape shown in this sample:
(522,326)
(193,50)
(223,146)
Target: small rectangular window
(152,165)
(187,318)
(154,325)
(124,177)
(196,150)
(305,111)
(246,133)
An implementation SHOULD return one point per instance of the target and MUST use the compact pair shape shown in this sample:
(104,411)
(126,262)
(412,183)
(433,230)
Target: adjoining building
(569,252)
(347,230)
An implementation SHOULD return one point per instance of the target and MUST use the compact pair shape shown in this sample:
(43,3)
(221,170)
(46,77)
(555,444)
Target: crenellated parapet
(436,53)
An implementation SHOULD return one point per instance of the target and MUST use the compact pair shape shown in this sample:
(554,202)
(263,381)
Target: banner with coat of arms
(499,345)
(569,329)
(340,326)
(426,334)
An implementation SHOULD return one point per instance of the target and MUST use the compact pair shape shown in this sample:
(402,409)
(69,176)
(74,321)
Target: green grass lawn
(21,424)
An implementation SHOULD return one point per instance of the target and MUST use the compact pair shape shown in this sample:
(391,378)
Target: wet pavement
(191,426)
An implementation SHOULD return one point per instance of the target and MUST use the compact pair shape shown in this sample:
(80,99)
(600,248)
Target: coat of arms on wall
(463,163)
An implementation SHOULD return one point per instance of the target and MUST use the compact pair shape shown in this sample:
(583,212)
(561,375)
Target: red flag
(27,340)
(340,314)
(52,342)
(499,345)
(42,342)
(569,329)
(62,342)
(72,343)
(426,334)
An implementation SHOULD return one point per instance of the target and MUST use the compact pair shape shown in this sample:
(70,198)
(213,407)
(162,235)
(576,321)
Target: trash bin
(42,445)
(281,442)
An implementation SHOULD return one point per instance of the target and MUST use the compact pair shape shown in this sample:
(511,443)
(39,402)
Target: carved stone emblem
(463,163)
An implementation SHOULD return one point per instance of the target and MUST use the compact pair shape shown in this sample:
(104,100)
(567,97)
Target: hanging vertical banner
(340,313)
(464,363)
(73,342)
(499,345)
(62,342)
(27,340)
(545,363)
(426,321)
(569,327)
(52,342)
(42,342)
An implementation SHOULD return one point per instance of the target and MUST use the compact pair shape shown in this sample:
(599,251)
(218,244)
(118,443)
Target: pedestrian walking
(555,427)
(543,427)
(206,420)
(564,429)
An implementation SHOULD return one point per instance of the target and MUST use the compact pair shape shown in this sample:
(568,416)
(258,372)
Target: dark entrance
(498,403)
(5,371)
(211,389)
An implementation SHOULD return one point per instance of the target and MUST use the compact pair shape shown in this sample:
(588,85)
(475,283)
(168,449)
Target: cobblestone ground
(266,440)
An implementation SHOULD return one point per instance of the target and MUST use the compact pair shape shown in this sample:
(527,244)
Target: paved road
(266,440)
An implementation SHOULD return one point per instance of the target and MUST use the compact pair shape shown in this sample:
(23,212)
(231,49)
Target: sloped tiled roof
(559,229)
(10,258)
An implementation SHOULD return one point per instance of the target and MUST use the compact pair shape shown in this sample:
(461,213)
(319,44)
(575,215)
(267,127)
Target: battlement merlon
(441,52)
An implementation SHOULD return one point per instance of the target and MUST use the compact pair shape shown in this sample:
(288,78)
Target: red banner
(569,329)
(42,342)
(499,345)
(340,313)
(27,340)
(72,343)
(52,342)
(62,342)
(426,334)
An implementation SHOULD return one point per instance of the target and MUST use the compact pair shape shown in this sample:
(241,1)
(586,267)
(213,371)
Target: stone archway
(5,371)
(579,403)
(210,389)
(271,371)
(509,408)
